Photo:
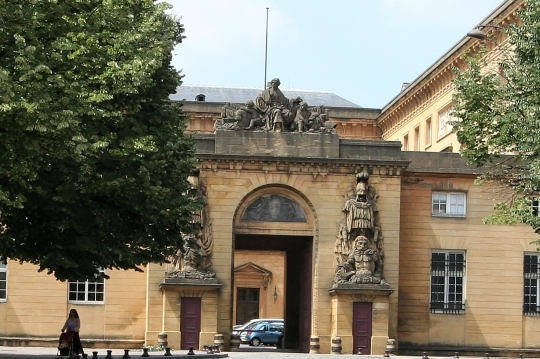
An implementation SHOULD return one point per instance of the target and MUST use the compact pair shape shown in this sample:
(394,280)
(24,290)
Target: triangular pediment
(251,267)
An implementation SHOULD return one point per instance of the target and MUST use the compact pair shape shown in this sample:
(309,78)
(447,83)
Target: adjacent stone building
(357,226)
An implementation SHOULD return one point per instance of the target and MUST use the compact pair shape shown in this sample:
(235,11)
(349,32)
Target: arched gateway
(292,228)
(274,236)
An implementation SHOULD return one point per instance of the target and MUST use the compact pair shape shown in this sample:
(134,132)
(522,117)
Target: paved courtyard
(244,353)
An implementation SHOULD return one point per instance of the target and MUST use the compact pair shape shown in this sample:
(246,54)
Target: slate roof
(242,94)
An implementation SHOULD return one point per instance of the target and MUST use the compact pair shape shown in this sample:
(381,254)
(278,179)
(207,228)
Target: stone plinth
(176,288)
(344,297)
(278,144)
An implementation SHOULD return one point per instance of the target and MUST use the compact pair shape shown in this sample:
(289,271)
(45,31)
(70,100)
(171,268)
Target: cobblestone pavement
(244,353)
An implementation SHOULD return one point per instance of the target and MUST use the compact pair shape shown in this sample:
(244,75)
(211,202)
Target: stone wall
(37,308)
(494,270)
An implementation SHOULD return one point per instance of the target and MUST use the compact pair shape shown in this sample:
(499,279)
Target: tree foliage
(93,156)
(498,111)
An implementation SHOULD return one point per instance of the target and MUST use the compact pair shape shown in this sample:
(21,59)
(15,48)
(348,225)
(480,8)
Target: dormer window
(200,97)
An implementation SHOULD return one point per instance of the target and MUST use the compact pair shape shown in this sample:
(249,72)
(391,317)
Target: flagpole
(266,50)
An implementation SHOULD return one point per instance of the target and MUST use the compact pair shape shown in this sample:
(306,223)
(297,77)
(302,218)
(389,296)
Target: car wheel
(255,342)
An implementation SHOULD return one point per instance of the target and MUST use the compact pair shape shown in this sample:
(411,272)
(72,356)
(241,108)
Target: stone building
(355,224)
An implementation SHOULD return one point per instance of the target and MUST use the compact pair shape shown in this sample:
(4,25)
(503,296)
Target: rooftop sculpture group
(272,111)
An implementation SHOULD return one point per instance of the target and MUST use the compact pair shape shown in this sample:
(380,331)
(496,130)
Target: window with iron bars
(447,282)
(531,278)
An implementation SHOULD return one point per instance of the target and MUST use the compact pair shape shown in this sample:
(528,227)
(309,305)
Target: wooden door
(190,322)
(247,304)
(362,327)
(305,298)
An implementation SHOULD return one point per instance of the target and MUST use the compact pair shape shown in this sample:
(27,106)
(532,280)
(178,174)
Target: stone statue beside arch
(358,248)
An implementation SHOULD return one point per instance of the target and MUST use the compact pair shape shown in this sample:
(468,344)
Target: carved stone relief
(193,260)
(272,111)
(274,208)
(358,248)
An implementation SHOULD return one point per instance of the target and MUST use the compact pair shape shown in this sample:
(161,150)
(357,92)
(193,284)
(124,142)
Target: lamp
(275,293)
(479,34)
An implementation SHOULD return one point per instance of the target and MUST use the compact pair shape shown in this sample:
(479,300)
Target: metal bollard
(145,353)
(94,355)
(336,345)
(314,346)
(391,346)
(218,340)
(424,355)
(235,343)
(162,340)
(126,354)
(109,354)
(167,352)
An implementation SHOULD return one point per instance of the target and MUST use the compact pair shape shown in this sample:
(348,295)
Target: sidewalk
(244,353)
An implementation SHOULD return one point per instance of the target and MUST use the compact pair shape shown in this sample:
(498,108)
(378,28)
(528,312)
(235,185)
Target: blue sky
(361,50)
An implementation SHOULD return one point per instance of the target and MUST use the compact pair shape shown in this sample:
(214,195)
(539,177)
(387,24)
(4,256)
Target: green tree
(497,104)
(93,156)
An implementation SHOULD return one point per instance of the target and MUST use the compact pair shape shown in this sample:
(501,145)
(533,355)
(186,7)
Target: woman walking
(72,325)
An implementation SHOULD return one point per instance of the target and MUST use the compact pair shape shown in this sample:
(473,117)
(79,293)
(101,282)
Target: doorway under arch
(298,282)
(280,219)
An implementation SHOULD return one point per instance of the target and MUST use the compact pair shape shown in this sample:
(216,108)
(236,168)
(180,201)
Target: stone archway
(275,219)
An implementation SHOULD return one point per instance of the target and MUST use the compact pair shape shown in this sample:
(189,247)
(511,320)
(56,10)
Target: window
(447,282)
(428,132)
(406,142)
(448,204)
(87,292)
(417,138)
(536,207)
(531,277)
(3,281)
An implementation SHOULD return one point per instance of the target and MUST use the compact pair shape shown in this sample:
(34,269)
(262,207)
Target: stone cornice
(395,123)
(314,166)
(438,79)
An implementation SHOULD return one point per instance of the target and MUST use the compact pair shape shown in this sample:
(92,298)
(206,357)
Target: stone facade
(275,214)
(297,254)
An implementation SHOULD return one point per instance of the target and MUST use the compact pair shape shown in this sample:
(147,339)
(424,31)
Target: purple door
(362,319)
(190,322)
